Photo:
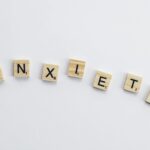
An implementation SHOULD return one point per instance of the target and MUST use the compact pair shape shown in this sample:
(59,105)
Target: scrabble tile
(1,75)
(50,72)
(132,83)
(148,99)
(21,68)
(102,80)
(76,68)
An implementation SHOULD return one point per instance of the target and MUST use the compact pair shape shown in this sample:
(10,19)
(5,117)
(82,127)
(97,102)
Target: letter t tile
(133,83)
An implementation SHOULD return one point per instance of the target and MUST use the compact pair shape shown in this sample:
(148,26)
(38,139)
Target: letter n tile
(21,68)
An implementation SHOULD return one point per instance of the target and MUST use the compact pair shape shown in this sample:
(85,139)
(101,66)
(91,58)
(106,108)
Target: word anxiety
(21,69)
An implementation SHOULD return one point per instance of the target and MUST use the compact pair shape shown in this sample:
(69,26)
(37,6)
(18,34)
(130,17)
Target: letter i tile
(76,68)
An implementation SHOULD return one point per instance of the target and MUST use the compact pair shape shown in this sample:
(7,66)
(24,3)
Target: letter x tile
(50,72)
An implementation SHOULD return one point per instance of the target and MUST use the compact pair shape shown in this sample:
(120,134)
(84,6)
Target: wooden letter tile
(132,83)
(1,75)
(102,80)
(148,99)
(50,72)
(21,68)
(76,68)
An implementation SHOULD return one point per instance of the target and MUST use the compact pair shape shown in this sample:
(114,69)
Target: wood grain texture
(102,80)
(76,68)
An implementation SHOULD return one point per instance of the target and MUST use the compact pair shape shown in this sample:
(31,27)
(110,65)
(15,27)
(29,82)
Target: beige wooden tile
(21,68)
(76,68)
(102,80)
(50,72)
(148,98)
(133,83)
(1,75)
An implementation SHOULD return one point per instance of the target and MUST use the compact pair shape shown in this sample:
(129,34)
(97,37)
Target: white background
(110,35)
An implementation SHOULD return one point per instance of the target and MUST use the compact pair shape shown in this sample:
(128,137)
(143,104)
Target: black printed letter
(76,71)
(101,81)
(50,73)
(133,81)
(19,67)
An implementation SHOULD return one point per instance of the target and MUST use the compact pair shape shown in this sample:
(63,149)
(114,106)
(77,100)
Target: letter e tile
(102,80)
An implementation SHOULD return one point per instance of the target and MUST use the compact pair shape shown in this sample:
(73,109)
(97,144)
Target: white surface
(111,35)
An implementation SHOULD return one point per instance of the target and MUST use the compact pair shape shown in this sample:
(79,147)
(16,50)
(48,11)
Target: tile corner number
(76,68)
(50,72)
(133,83)
(102,80)
(21,68)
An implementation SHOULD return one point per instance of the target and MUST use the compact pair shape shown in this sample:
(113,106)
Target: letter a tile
(50,72)
(21,68)
(102,80)
(133,83)
(76,68)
